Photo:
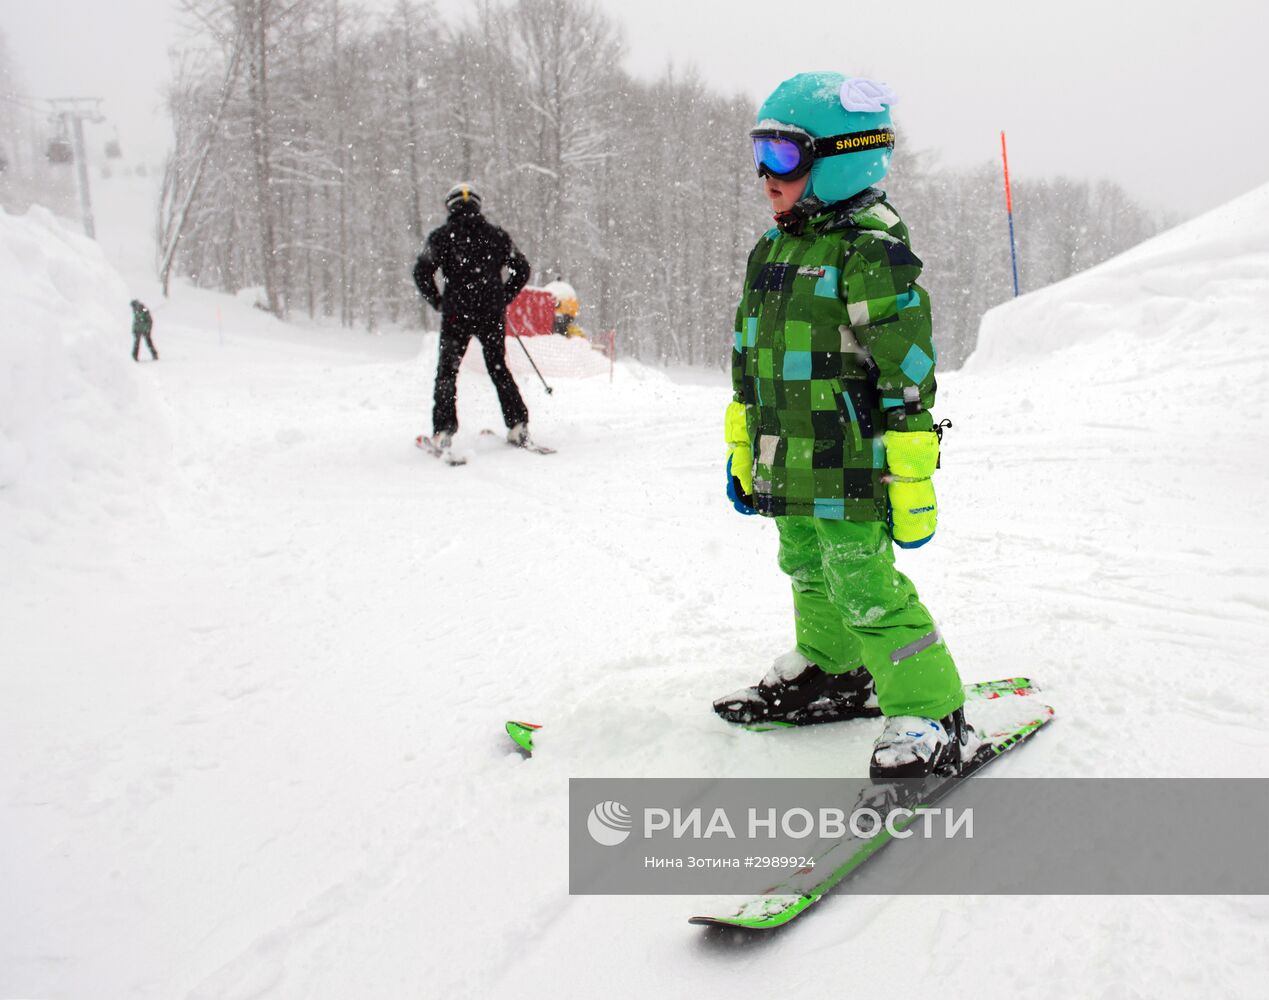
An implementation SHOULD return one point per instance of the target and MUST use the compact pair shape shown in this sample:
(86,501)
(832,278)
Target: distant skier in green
(142,324)
(829,429)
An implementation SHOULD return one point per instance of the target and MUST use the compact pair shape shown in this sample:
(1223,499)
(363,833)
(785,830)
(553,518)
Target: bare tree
(174,208)
(330,154)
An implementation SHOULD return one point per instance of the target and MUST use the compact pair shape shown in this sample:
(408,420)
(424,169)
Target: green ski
(776,907)
(978,691)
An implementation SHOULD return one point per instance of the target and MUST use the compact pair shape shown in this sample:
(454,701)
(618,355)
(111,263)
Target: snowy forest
(314,140)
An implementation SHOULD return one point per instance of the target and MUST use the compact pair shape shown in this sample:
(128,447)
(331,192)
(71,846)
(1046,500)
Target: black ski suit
(471,253)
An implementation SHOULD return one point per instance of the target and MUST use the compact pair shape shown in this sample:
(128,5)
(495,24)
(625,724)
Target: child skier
(829,430)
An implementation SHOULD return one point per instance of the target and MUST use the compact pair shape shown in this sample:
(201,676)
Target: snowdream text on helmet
(863,140)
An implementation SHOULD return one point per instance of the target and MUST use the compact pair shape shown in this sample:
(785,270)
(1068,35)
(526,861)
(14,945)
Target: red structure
(531,313)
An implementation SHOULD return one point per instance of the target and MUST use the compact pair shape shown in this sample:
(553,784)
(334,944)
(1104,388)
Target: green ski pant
(852,606)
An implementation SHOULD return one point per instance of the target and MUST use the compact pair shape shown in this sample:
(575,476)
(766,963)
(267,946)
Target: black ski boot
(795,692)
(912,746)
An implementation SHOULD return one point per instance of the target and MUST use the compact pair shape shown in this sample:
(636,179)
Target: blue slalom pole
(1013,249)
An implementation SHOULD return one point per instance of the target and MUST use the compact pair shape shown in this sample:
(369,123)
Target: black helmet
(462,193)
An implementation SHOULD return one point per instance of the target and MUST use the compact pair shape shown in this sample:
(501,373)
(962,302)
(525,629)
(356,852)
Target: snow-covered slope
(1114,423)
(62,389)
(258,751)
(1197,289)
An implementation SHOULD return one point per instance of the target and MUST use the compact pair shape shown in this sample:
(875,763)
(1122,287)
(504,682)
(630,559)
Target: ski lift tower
(72,112)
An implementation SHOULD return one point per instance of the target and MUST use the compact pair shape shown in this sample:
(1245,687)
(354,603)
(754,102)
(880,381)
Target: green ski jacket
(142,322)
(833,348)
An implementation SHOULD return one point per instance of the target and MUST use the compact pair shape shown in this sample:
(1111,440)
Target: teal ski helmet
(851,119)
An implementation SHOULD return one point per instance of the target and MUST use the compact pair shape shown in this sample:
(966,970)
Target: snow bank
(1205,282)
(72,409)
(555,357)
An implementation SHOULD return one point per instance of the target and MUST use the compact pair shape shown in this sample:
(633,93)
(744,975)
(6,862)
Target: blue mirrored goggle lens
(780,156)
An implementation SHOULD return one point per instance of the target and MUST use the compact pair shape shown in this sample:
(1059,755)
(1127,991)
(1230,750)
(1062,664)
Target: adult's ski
(425,443)
(526,445)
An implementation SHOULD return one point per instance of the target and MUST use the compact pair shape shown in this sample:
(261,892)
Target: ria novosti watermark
(990,835)
(766,830)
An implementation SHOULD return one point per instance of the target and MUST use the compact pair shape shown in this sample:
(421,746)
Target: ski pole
(549,390)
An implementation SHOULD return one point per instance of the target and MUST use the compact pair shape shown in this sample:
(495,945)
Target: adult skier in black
(142,324)
(470,253)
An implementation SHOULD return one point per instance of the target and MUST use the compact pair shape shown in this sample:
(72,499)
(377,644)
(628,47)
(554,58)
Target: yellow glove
(739,458)
(912,457)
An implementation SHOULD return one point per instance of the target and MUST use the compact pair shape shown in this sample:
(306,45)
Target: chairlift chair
(60,150)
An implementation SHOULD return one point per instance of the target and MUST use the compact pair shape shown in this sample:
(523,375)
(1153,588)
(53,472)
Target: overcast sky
(1166,97)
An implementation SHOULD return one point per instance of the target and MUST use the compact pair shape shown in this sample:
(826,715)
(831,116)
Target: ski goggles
(786,154)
